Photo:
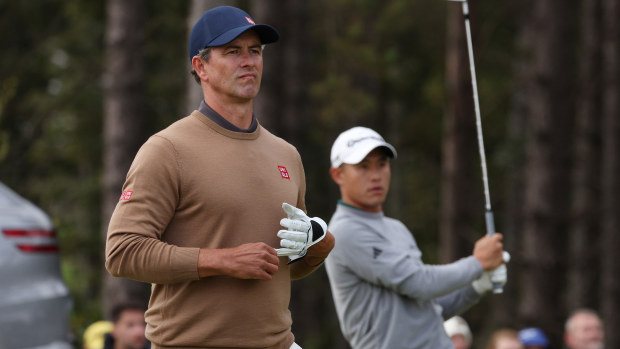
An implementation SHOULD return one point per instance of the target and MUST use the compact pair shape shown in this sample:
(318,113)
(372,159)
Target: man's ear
(336,174)
(199,66)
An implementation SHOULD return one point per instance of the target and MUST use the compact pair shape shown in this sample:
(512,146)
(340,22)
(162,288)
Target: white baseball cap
(352,146)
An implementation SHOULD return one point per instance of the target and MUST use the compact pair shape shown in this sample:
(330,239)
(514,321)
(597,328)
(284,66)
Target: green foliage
(166,60)
(376,57)
(51,119)
(381,64)
(50,122)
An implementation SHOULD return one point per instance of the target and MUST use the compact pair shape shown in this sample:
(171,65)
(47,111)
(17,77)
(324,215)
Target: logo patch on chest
(284,172)
(126,195)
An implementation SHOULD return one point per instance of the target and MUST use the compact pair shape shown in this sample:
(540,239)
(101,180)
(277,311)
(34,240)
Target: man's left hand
(498,276)
(301,232)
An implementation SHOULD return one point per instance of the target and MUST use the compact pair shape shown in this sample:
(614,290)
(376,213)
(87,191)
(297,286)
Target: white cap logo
(353,145)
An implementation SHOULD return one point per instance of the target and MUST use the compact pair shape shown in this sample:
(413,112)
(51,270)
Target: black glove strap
(317,230)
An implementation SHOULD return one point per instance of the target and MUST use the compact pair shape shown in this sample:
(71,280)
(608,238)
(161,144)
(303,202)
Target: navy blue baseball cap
(221,25)
(533,336)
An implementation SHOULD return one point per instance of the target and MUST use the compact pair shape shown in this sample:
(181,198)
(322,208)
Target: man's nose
(375,172)
(248,59)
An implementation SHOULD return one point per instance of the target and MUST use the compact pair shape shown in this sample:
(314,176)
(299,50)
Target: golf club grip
(490,222)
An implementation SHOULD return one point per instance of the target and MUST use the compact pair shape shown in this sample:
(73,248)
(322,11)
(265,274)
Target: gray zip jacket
(385,296)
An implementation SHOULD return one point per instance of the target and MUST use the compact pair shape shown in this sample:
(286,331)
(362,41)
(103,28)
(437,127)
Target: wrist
(313,261)
(322,248)
(317,253)
(210,263)
(205,263)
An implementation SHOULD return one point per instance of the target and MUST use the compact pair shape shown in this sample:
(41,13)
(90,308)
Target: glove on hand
(498,275)
(301,232)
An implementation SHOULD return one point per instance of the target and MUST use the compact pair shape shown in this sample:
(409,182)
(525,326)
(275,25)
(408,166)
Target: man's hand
(302,232)
(248,261)
(488,251)
(498,275)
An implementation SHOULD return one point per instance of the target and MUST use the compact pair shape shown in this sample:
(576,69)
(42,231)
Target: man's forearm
(314,258)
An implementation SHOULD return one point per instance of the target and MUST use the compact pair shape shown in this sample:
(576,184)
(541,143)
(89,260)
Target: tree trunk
(584,232)
(193,90)
(547,168)
(269,104)
(281,104)
(504,307)
(124,120)
(611,167)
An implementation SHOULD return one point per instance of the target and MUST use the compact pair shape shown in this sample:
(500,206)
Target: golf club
(488,216)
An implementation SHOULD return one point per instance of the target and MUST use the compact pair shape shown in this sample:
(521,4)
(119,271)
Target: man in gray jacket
(385,296)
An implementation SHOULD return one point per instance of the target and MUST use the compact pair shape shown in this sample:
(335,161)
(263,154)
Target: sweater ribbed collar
(218,119)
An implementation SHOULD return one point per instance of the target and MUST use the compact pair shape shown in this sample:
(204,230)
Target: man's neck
(370,209)
(238,114)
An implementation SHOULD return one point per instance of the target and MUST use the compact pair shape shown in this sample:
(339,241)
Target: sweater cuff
(185,263)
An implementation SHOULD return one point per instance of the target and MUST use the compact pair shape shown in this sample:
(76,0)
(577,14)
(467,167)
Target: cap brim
(266,33)
(357,156)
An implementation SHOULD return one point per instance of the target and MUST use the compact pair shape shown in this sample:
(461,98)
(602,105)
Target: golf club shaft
(488,216)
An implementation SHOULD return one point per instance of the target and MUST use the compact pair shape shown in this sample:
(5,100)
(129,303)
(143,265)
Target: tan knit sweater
(196,184)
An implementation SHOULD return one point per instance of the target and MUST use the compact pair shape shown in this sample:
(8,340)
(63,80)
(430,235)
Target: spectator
(505,338)
(584,330)
(533,338)
(128,328)
(94,334)
(457,329)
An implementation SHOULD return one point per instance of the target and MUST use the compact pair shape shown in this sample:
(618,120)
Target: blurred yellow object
(94,334)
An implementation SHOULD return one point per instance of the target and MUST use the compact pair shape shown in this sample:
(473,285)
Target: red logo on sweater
(126,195)
(284,172)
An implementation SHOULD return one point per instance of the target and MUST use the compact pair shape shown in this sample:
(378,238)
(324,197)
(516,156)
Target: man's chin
(374,206)
(139,345)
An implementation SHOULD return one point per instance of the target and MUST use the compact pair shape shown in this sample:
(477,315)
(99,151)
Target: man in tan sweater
(203,202)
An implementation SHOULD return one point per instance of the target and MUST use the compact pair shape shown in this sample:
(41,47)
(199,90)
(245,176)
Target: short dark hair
(119,308)
(205,54)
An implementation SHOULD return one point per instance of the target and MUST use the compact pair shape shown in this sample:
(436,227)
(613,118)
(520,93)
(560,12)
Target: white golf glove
(301,232)
(498,275)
